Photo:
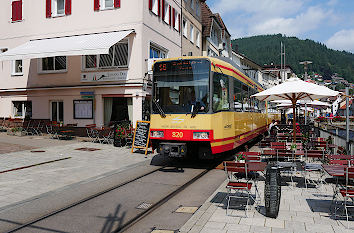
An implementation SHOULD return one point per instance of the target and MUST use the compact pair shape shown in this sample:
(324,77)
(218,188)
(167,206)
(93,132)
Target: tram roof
(225,63)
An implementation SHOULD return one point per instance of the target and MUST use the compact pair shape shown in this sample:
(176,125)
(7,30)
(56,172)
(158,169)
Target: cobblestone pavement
(19,185)
(301,210)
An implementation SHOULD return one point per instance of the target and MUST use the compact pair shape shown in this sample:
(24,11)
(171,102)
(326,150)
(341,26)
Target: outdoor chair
(313,166)
(107,136)
(52,132)
(347,193)
(238,184)
(252,156)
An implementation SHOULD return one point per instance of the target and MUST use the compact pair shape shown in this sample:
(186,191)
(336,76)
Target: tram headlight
(157,134)
(200,135)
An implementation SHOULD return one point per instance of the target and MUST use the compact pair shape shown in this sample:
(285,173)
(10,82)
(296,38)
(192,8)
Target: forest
(265,49)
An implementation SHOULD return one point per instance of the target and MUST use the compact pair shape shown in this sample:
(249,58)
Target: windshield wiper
(161,112)
(195,110)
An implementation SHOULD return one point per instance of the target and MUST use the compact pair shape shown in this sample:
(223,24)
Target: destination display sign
(141,135)
(194,66)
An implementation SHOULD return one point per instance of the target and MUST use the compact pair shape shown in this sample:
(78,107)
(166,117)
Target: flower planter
(119,142)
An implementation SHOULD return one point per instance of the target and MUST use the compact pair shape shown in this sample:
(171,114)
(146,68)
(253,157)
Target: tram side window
(238,99)
(220,93)
(245,98)
(252,100)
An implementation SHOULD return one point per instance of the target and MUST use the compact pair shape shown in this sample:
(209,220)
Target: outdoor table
(256,166)
(66,134)
(335,170)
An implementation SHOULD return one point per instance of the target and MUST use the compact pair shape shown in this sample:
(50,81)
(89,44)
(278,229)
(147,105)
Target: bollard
(272,191)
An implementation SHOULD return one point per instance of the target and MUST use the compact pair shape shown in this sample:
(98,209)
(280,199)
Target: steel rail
(81,201)
(140,216)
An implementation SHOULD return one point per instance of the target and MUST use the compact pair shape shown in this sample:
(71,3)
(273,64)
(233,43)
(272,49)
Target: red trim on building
(159,8)
(96,5)
(170,15)
(16,10)
(173,17)
(48,9)
(150,5)
(116,3)
(163,9)
(67,7)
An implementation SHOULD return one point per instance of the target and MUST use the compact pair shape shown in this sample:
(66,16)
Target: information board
(83,109)
(141,135)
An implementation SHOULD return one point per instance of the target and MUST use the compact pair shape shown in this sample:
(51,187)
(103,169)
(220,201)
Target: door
(57,111)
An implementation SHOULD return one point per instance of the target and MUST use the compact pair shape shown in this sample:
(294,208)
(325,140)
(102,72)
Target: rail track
(33,224)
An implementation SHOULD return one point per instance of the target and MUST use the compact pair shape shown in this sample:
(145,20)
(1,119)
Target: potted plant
(119,137)
(240,157)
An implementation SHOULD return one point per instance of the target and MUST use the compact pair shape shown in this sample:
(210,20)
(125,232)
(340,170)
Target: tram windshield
(181,86)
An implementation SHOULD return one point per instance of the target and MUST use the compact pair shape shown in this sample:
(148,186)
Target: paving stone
(230,227)
(196,229)
(222,217)
(253,221)
(318,228)
(259,229)
(270,222)
(303,219)
(215,225)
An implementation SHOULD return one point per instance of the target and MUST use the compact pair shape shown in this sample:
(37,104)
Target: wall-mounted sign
(104,76)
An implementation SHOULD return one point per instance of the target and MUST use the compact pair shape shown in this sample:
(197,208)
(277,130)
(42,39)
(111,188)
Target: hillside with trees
(265,49)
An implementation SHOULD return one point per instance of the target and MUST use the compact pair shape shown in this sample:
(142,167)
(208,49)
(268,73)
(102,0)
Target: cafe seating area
(310,163)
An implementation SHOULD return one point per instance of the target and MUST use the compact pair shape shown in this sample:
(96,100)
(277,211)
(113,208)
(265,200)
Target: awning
(88,44)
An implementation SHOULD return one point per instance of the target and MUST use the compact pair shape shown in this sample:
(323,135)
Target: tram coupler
(174,150)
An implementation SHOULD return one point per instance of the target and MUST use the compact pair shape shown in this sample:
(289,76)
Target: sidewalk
(77,166)
(301,210)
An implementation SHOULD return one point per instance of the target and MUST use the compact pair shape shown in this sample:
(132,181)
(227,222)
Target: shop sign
(104,76)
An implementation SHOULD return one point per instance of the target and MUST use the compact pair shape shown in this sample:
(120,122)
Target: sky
(327,21)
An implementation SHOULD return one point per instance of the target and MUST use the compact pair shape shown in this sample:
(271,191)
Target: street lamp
(305,63)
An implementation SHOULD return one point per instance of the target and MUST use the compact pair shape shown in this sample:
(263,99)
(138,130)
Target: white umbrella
(295,89)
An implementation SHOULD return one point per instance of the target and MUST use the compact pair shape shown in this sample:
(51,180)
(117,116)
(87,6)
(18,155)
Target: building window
(58,8)
(191,33)
(184,24)
(156,52)
(107,4)
(83,109)
(22,109)
(117,57)
(49,64)
(197,8)
(155,6)
(166,12)
(197,39)
(17,67)
(16,10)
(176,17)
(192,4)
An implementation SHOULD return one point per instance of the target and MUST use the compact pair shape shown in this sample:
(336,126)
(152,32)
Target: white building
(54,65)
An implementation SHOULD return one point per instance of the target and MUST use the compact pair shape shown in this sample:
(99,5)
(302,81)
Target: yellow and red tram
(202,106)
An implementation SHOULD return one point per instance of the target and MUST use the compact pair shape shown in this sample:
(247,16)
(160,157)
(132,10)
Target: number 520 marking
(177,134)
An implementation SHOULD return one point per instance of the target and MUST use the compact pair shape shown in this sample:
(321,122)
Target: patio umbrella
(295,89)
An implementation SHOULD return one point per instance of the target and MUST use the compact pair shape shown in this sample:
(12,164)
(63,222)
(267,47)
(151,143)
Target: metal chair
(347,192)
(237,187)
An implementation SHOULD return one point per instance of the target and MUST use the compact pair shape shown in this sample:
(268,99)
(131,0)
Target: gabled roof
(224,28)
(207,19)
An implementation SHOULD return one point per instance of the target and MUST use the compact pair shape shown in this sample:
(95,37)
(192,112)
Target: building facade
(216,38)
(76,84)
(191,28)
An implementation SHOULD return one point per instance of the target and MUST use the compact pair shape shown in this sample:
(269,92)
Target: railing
(337,140)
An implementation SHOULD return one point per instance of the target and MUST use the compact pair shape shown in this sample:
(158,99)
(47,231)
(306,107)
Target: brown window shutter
(16,10)
(96,5)
(116,3)
(150,5)
(68,7)
(48,9)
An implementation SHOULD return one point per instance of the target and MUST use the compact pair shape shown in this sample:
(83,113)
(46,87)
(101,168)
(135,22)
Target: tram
(201,106)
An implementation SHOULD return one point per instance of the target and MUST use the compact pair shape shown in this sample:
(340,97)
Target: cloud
(263,7)
(292,26)
(342,40)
